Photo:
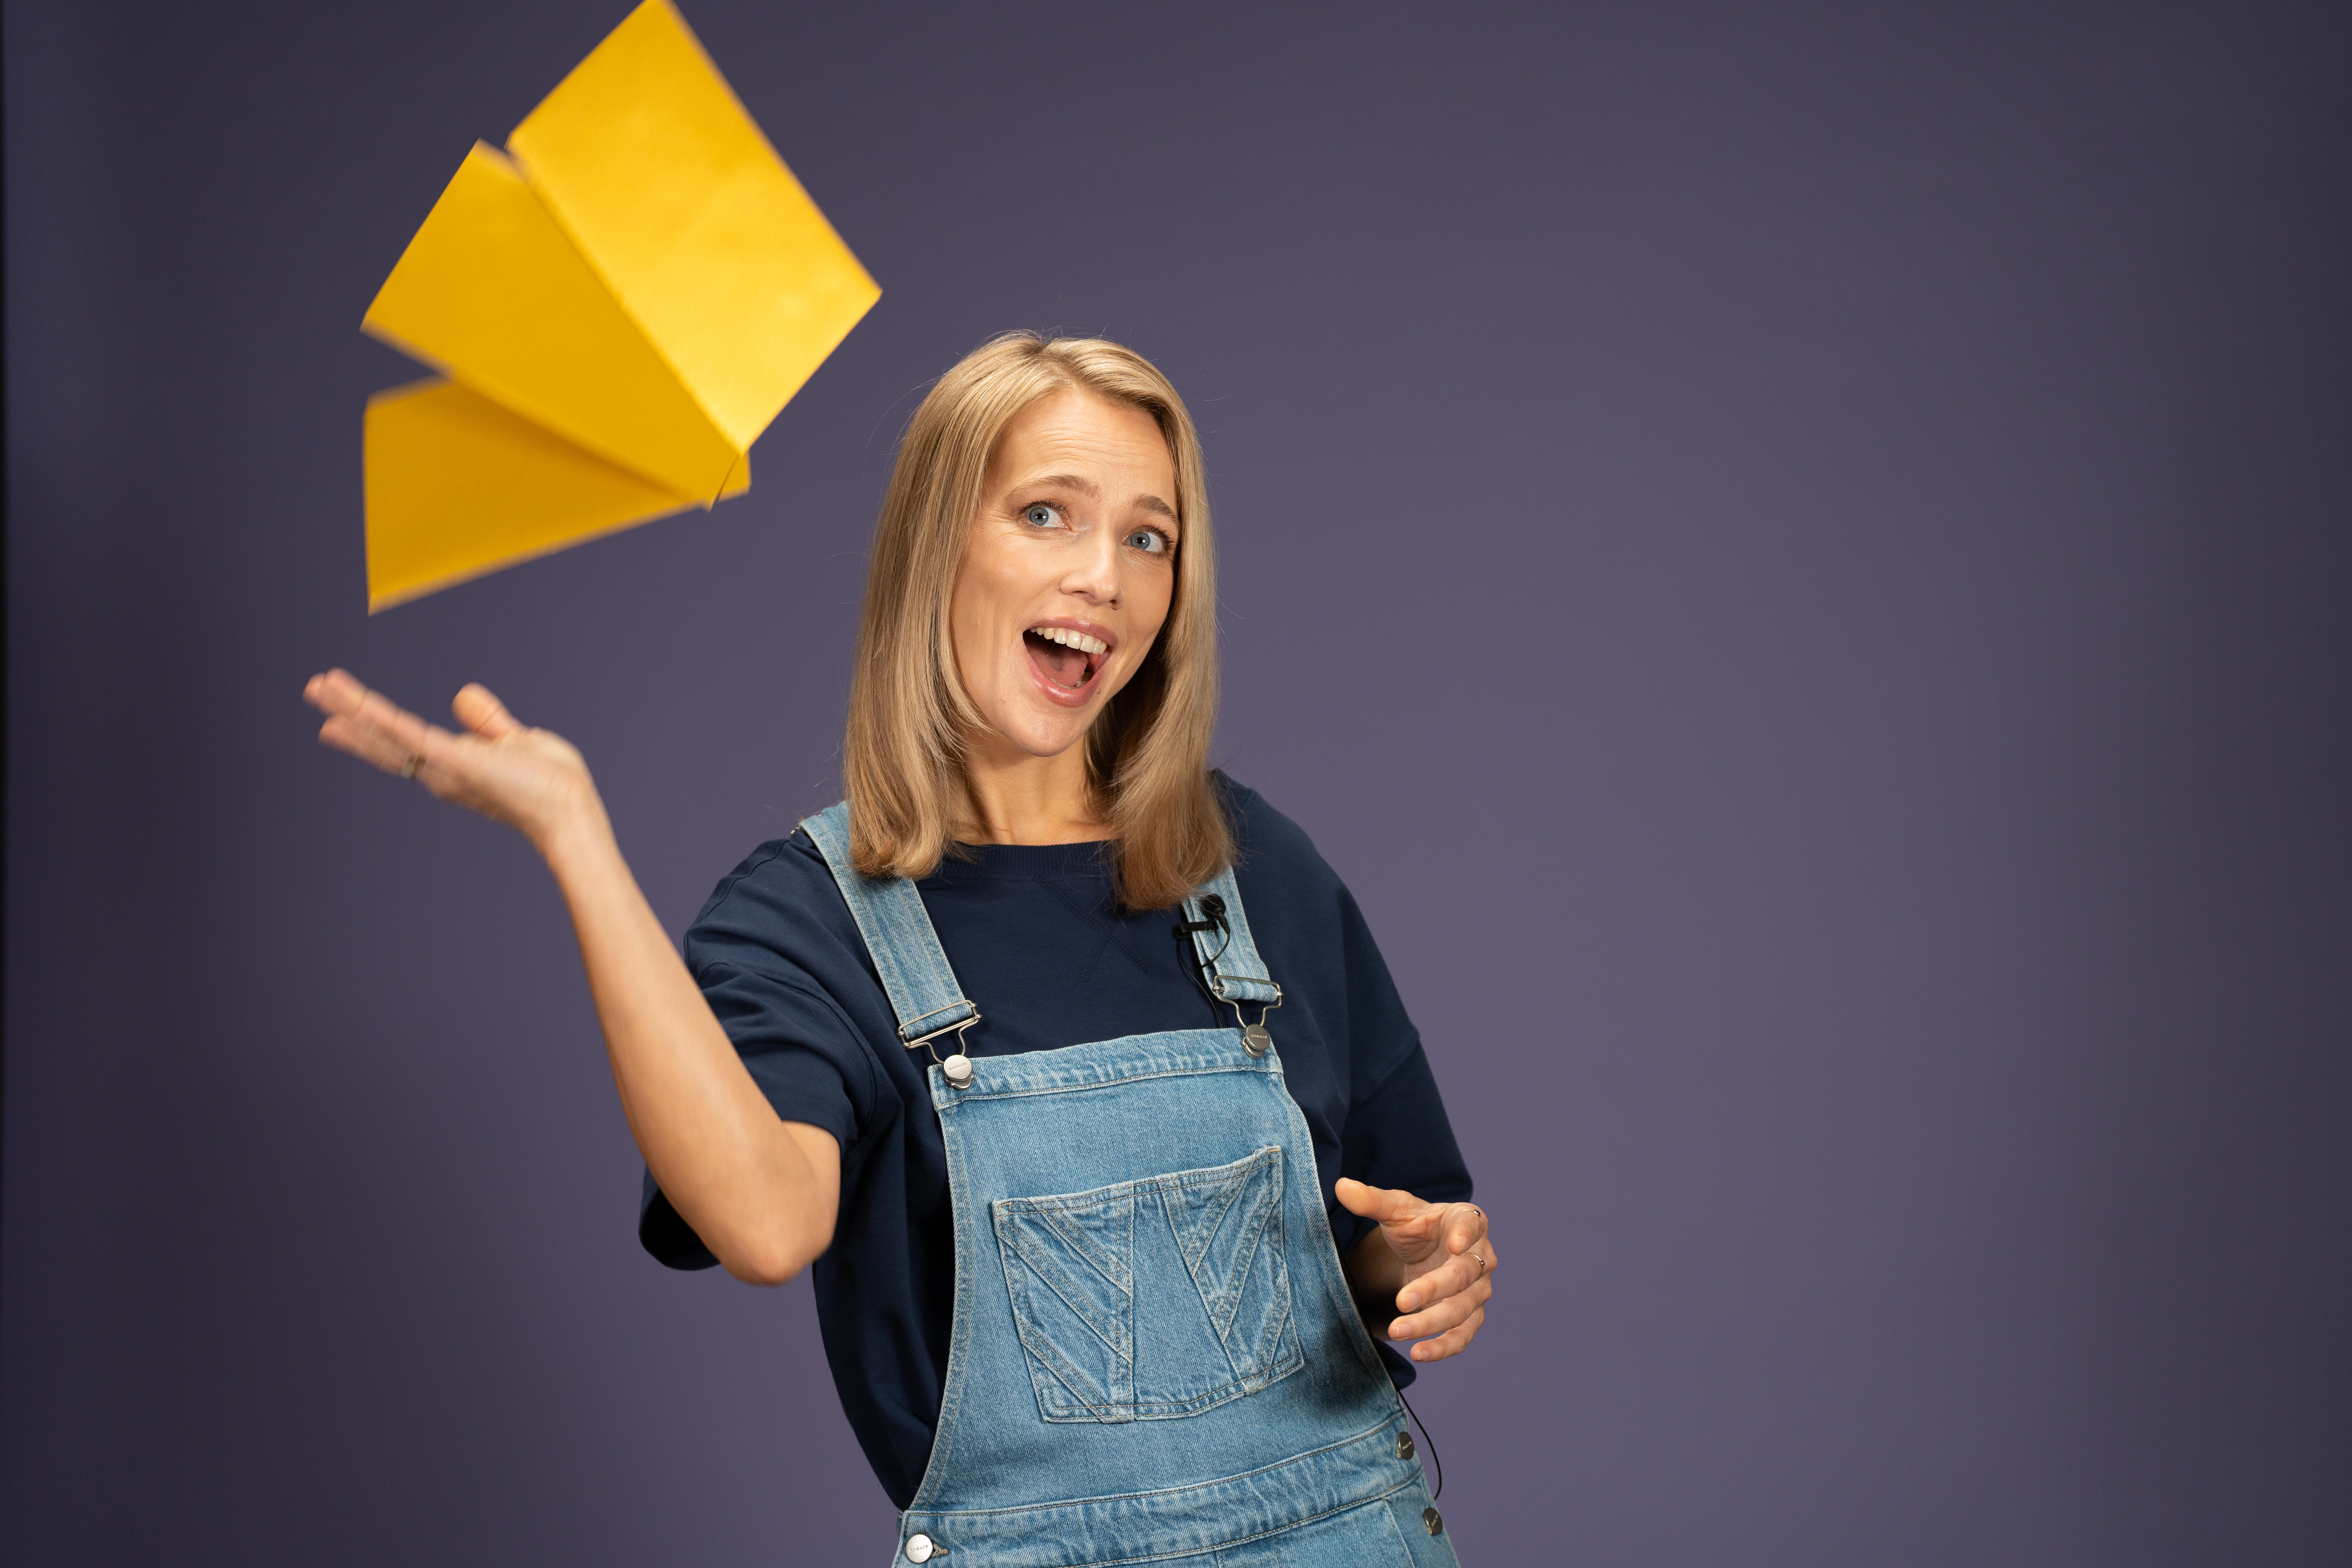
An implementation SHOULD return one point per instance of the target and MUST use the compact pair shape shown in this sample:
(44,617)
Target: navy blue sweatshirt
(1038,943)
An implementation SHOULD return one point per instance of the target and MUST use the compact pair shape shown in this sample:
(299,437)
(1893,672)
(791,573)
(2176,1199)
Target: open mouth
(1066,660)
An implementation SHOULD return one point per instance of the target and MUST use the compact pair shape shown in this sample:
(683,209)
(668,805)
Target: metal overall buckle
(1256,1038)
(958,1066)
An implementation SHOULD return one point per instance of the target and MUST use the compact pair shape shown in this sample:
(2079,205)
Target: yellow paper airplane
(620,302)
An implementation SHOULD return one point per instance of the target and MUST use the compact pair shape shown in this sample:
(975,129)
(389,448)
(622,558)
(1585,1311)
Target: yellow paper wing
(459,486)
(654,169)
(492,294)
(620,315)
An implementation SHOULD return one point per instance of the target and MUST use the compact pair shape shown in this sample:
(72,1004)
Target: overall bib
(1154,1356)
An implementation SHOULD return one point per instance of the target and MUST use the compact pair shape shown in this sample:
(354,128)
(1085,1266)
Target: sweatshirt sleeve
(762,954)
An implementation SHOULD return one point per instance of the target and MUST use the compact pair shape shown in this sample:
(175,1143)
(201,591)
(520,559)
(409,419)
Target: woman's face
(1069,569)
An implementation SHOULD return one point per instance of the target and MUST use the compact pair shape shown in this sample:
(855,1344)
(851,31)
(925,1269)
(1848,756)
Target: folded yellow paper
(620,310)
(494,489)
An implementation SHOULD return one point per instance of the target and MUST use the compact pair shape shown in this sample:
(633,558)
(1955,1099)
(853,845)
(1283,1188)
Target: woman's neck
(1017,798)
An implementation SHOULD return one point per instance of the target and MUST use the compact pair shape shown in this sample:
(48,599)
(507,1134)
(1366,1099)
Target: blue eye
(1149,540)
(1037,514)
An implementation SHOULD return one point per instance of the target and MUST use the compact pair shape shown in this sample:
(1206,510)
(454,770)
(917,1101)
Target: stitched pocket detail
(1152,1299)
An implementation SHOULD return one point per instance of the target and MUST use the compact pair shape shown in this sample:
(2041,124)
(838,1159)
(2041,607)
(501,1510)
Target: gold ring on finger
(408,769)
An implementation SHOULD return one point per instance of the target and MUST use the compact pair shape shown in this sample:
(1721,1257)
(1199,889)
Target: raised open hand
(761,1192)
(532,780)
(1436,1259)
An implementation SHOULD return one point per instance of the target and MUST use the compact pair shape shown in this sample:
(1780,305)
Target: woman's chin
(1033,734)
(1042,722)
(1043,741)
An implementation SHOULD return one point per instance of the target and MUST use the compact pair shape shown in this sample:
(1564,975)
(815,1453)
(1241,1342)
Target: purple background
(1795,556)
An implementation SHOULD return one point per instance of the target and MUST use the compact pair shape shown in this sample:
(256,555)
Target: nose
(1095,575)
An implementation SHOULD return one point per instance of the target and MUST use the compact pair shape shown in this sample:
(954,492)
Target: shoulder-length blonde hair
(1147,752)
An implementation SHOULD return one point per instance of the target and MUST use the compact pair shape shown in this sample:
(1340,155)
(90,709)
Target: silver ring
(408,769)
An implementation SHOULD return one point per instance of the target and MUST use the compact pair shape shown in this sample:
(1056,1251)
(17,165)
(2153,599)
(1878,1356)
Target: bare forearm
(760,1193)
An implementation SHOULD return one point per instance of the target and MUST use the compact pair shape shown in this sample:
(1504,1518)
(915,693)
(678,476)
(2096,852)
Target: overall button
(920,1548)
(958,1068)
(1431,1521)
(1405,1445)
(1256,1040)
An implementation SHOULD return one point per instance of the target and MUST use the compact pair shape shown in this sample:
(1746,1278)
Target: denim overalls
(1154,1356)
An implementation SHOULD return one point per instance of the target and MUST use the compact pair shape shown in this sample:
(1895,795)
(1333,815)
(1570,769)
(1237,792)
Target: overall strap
(898,931)
(1234,970)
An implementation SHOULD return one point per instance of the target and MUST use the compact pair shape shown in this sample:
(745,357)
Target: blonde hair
(1147,751)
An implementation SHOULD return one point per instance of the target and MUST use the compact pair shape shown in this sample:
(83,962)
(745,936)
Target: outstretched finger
(1441,1313)
(1453,1278)
(371,727)
(1465,1226)
(340,696)
(479,710)
(1453,1341)
(381,748)
(380,716)
(337,692)
(1387,1204)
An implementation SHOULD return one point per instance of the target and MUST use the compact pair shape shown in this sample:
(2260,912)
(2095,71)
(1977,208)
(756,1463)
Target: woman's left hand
(1437,1260)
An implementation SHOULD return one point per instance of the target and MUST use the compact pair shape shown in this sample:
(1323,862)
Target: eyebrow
(1087,487)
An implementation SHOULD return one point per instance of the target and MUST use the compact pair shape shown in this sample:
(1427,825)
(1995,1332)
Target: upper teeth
(1068,639)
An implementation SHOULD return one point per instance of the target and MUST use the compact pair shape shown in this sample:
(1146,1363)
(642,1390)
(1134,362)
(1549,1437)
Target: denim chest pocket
(1152,1299)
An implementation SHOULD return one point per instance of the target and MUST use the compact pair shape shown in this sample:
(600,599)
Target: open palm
(532,779)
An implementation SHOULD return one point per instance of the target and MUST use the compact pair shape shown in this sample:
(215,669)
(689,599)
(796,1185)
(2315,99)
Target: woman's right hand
(760,1192)
(532,779)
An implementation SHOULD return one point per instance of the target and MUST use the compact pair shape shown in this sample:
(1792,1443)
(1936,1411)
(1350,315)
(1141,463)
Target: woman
(992,1045)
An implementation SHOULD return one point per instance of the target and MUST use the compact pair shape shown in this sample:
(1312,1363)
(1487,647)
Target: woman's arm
(1434,1261)
(761,1193)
